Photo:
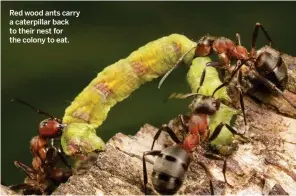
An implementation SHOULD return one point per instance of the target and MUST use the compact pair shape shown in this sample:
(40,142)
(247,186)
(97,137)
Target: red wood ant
(43,176)
(49,129)
(172,163)
(77,139)
(264,66)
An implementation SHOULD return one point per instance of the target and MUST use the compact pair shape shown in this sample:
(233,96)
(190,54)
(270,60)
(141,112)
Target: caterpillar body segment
(117,81)
(211,80)
(79,139)
(224,141)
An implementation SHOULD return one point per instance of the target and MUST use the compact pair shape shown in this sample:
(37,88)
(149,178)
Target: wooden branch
(6,191)
(266,164)
(291,64)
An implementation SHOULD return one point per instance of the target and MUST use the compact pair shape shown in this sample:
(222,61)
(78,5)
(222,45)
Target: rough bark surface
(264,165)
(6,191)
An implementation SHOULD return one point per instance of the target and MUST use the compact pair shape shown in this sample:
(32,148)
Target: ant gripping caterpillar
(206,124)
(223,143)
(254,69)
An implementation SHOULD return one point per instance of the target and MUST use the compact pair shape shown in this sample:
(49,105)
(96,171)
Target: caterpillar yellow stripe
(117,81)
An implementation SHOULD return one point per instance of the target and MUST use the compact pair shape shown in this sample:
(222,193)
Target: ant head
(201,104)
(205,105)
(48,128)
(204,46)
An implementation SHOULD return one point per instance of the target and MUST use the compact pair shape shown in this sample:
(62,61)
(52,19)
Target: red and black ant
(49,129)
(43,176)
(172,163)
(264,66)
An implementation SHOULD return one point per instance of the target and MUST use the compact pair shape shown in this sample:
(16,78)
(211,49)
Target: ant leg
(23,186)
(51,154)
(219,128)
(239,64)
(255,36)
(216,132)
(218,157)
(63,158)
(185,128)
(273,87)
(153,153)
(202,78)
(35,109)
(203,75)
(169,131)
(208,175)
(30,172)
(174,67)
(241,97)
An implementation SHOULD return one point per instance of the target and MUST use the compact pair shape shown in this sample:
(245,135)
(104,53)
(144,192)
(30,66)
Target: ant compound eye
(43,124)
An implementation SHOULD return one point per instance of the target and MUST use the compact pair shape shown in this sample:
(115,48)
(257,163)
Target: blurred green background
(50,76)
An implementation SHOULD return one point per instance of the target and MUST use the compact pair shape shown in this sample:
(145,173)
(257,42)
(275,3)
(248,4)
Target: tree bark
(264,165)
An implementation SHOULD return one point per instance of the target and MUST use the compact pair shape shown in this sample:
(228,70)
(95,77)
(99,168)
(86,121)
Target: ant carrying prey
(264,66)
(171,165)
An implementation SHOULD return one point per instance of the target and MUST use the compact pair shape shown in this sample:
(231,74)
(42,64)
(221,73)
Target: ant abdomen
(169,170)
(271,66)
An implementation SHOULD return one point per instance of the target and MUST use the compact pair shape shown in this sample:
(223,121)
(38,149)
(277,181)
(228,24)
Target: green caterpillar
(115,83)
(223,143)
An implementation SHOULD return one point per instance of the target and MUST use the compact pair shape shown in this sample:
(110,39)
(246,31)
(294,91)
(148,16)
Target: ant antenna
(35,109)
(183,96)
(174,67)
